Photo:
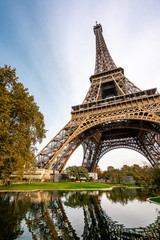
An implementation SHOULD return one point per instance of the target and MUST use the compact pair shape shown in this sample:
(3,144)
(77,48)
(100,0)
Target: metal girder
(49,213)
(104,61)
(129,134)
(115,113)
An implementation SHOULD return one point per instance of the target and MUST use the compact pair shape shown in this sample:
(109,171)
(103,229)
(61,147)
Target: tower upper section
(104,61)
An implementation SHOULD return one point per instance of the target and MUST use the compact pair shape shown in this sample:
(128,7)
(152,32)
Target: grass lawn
(59,186)
(157,200)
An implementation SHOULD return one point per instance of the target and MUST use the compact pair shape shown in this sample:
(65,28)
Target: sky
(52,46)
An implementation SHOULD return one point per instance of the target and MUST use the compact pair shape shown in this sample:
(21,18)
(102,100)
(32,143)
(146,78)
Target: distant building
(129,179)
(93,175)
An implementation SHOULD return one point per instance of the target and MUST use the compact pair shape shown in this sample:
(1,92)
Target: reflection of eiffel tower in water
(48,220)
(114,114)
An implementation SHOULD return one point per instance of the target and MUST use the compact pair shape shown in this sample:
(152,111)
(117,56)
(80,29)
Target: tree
(111,173)
(77,173)
(156,176)
(99,172)
(127,170)
(115,175)
(21,124)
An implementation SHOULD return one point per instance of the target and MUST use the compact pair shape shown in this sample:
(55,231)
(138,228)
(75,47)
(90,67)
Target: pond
(117,214)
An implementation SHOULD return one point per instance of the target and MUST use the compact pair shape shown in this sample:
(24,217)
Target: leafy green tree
(99,172)
(111,173)
(119,175)
(77,173)
(127,170)
(142,175)
(105,175)
(21,124)
(156,176)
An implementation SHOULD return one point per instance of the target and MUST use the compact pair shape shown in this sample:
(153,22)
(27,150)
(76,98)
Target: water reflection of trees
(98,225)
(45,217)
(11,215)
(123,195)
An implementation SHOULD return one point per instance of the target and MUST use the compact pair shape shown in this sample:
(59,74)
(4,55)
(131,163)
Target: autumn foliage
(21,124)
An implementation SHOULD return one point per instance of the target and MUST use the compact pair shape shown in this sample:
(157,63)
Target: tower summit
(114,114)
(104,60)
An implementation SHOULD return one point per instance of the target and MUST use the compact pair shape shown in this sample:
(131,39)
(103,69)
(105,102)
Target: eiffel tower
(114,114)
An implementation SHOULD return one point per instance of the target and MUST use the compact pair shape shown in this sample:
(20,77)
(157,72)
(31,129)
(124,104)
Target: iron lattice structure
(114,114)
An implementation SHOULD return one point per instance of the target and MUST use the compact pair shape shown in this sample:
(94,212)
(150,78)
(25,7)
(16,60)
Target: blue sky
(52,45)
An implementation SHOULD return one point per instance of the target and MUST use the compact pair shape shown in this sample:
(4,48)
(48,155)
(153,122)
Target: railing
(110,100)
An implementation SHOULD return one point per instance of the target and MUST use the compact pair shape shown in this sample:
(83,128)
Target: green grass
(59,186)
(129,184)
(157,200)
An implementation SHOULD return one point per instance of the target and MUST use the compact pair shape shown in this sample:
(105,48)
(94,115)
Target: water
(118,214)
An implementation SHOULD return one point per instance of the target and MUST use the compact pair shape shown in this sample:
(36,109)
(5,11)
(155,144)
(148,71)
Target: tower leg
(151,143)
(89,150)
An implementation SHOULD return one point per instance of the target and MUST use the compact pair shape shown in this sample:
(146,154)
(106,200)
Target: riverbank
(61,186)
(155,200)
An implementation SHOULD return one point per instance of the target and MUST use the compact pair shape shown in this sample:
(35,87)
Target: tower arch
(119,157)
